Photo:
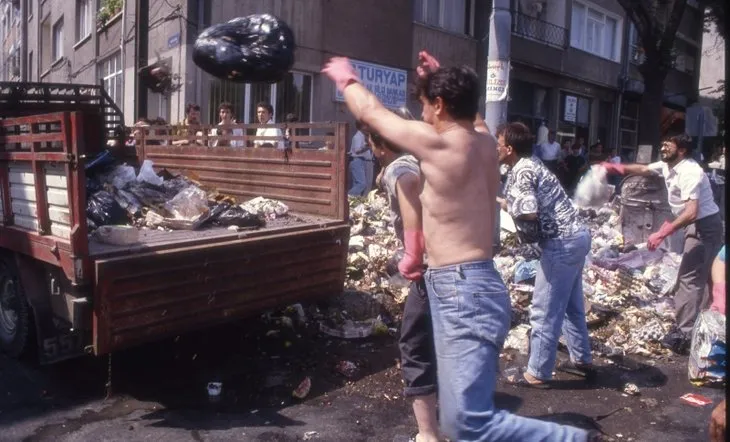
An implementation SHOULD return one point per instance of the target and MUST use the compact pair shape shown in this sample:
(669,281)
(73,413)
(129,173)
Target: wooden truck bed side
(166,289)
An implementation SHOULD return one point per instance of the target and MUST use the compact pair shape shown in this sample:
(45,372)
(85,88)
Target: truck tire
(14,312)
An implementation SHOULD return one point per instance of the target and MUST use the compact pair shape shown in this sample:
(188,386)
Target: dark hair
(266,106)
(458,87)
(191,106)
(682,141)
(518,136)
(226,105)
(291,118)
(382,142)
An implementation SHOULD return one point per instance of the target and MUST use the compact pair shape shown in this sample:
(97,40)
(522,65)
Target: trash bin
(644,207)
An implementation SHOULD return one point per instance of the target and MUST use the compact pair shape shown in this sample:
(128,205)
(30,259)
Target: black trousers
(418,357)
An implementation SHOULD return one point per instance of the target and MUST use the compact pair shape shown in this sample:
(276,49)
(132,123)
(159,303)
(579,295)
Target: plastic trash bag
(100,162)
(255,48)
(593,190)
(147,194)
(236,216)
(120,176)
(147,174)
(189,204)
(104,210)
(707,353)
(269,209)
(128,202)
(525,271)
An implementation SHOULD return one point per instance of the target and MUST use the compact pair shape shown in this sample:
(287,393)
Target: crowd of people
(442,180)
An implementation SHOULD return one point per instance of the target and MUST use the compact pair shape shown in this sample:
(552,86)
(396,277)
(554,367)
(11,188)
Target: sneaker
(676,341)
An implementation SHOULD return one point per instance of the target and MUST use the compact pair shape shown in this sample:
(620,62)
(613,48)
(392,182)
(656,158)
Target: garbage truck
(65,294)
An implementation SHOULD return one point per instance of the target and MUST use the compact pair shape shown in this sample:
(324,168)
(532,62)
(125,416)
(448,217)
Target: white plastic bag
(707,353)
(188,204)
(147,174)
(593,190)
(120,176)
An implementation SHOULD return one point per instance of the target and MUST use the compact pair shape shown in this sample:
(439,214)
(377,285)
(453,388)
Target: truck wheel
(14,312)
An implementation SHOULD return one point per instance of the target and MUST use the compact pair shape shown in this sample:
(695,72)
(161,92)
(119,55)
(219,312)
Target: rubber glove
(341,71)
(718,297)
(426,63)
(411,265)
(656,238)
(613,168)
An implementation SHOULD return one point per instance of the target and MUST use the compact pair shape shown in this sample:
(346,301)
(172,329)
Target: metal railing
(539,30)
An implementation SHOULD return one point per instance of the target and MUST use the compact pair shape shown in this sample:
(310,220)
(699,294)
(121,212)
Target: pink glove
(426,63)
(411,265)
(340,70)
(718,297)
(614,169)
(656,238)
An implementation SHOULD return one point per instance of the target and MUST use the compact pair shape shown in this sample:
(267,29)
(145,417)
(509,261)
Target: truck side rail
(43,192)
(310,177)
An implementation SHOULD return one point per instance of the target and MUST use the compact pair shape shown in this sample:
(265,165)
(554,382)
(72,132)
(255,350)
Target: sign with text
(571,108)
(388,84)
(497,80)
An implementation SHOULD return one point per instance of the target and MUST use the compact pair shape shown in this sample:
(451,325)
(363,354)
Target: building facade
(574,67)
(573,61)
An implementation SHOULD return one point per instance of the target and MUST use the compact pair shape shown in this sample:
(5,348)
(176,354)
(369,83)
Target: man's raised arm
(414,137)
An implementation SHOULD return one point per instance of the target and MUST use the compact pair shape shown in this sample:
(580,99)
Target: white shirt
(237,132)
(549,151)
(358,143)
(270,132)
(687,181)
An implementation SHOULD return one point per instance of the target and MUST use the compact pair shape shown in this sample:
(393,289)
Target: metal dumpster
(644,207)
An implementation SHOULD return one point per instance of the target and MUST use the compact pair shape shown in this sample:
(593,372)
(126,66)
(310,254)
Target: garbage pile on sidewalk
(119,196)
(627,287)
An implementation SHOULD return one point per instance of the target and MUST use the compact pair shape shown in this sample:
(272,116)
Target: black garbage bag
(175,185)
(93,185)
(148,194)
(252,49)
(104,210)
(236,216)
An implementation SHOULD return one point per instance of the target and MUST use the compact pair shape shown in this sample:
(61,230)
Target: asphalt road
(158,393)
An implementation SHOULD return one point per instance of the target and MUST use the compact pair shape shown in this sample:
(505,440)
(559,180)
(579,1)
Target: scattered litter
(269,209)
(631,389)
(347,369)
(707,360)
(303,389)
(592,190)
(310,435)
(214,391)
(518,339)
(650,402)
(696,400)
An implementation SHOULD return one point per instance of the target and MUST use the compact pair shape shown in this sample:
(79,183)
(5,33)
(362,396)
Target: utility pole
(498,64)
(142,19)
(500,33)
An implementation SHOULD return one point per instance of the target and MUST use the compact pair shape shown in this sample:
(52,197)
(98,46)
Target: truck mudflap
(151,296)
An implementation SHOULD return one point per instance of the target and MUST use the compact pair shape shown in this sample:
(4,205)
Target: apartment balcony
(538,30)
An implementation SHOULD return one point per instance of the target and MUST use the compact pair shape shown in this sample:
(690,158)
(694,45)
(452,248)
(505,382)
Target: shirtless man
(469,302)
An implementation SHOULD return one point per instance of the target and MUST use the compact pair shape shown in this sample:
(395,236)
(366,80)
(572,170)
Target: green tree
(656,23)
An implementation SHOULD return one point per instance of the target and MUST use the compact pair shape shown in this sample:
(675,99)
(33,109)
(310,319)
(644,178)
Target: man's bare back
(461,182)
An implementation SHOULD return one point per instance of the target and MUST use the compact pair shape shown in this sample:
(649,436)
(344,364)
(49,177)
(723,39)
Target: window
(83,19)
(292,95)
(452,15)
(31,73)
(594,31)
(30,9)
(111,76)
(57,40)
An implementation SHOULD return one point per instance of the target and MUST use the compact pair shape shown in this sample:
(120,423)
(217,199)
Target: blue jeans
(361,171)
(557,303)
(471,313)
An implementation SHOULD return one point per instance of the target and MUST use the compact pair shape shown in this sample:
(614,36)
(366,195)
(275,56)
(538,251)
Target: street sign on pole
(497,87)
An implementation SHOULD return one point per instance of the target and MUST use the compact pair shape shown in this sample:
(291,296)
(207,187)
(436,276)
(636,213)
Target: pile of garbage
(120,196)
(627,287)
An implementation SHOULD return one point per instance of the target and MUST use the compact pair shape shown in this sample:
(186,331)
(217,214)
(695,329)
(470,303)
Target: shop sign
(571,108)
(497,80)
(388,84)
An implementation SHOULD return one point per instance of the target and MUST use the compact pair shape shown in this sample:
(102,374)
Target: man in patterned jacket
(543,214)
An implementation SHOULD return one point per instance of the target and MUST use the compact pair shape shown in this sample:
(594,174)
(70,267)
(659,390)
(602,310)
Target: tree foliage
(715,14)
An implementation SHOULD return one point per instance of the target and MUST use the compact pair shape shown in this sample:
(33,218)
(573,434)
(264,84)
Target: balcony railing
(539,30)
